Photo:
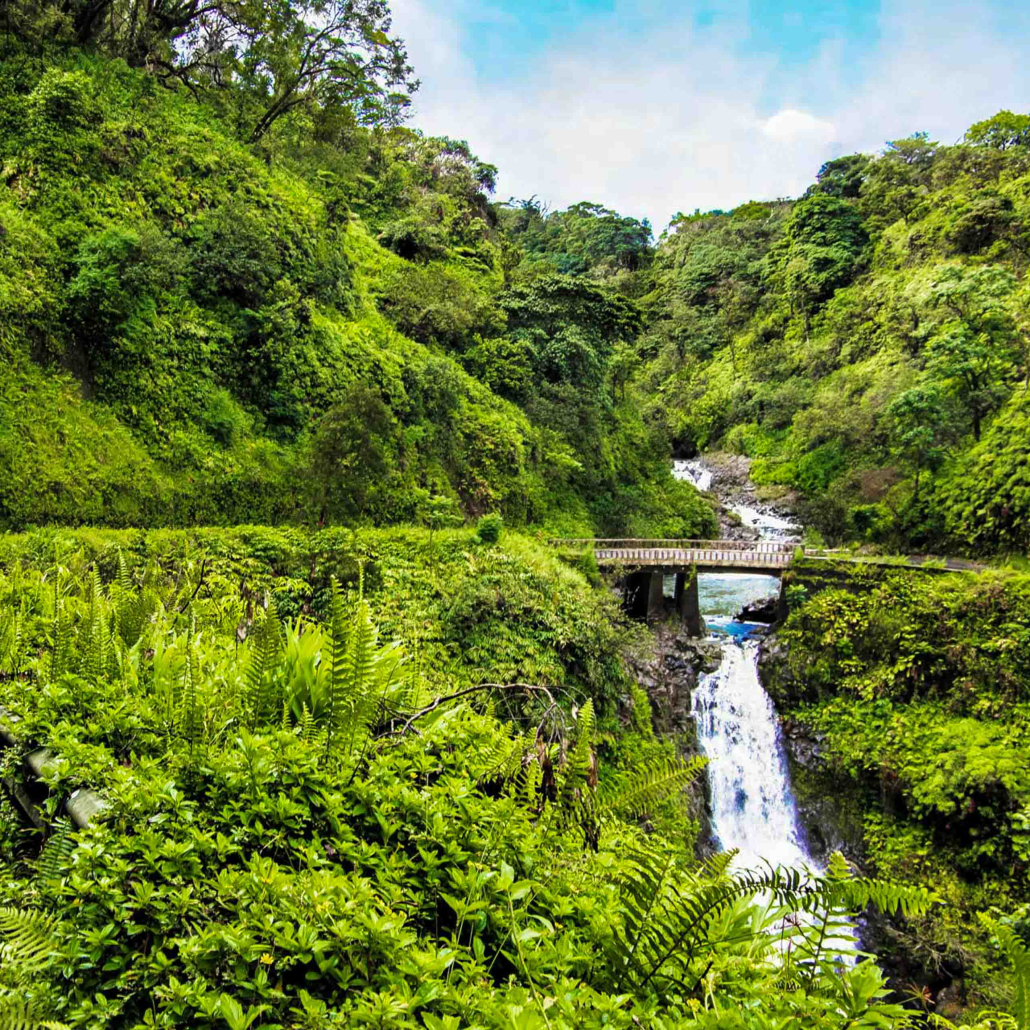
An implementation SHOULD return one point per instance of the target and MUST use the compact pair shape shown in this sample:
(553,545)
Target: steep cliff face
(669,675)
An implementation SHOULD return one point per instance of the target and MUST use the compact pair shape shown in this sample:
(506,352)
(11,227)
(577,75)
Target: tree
(823,243)
(275,55)
(1002,132)
(623,365)
(587,238)
(349,454)
(973,351)
(918,424)
(842,177)
(328,53)
(437,512)
(1023,332)
(572,325)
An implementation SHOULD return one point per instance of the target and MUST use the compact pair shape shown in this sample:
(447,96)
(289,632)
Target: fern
(576,780)
(57,851)
(96,632)
(262,659)
(19,1013)
(26,939)
(667,911)
(133,607)
(307,728)
(1016,951)
(357,682)
(499,756)
(647,787)
(61,633)
(361,675)
(12,634)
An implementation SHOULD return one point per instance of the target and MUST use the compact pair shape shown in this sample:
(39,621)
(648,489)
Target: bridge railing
(695,556)
(774,547)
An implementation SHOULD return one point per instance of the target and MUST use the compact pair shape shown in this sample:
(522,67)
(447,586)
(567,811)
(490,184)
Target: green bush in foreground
(298,833)
(489,528)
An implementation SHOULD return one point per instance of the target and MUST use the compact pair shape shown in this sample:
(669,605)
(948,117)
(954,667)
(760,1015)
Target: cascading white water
(753,810)
(752,807)
(770,527)
(693,472)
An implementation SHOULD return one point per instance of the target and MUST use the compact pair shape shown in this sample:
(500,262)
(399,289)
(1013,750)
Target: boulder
(765,610)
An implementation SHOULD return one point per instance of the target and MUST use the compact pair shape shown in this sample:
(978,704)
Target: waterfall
(693,472)
(753,809)
(752,806)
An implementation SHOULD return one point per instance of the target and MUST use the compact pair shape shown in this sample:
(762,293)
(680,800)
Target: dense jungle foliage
(314,324)
(915,689)
(868,344)
(399,777)
(308,823)
(215,270)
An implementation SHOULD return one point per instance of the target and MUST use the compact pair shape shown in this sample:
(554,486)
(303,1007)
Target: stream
(753,809)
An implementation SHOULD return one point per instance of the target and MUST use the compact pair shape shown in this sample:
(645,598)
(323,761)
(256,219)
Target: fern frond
(19,1013)
(1016,951)
(262,660)
(61,632)
(124,577)
(306,727)
(12,634)
(499,756)
(667,911)
(26,939)
(856,893)
(337,646)
(647,787)
(356,703)
(57,851)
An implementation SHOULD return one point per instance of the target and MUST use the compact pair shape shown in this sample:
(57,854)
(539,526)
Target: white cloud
(791,126)
(680,120)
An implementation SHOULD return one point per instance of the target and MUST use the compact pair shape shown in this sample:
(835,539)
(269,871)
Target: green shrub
(489,528)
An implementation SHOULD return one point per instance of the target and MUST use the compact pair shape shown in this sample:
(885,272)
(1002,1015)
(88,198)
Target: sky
(654,107)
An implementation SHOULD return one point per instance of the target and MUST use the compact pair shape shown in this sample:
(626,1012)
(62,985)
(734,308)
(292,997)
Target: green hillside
(201,331)
(868,345)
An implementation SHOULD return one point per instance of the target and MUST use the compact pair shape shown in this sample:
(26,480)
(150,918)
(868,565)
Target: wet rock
(728,470)
(950,1002)
(669,675)
(732,528)
(774,671)
(766,610)
(731,484)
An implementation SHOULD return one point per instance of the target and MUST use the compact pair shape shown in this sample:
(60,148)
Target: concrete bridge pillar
(656,594)
(644,594)
(688,603)
(782,607)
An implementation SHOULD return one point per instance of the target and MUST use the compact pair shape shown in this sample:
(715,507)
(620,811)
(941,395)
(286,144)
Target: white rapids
(770,527)
(753,810)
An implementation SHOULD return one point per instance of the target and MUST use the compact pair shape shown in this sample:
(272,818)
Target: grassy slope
(179,317)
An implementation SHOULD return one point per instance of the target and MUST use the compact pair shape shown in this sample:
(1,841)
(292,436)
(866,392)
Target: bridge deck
(759,555)
(746,555)
(708,557)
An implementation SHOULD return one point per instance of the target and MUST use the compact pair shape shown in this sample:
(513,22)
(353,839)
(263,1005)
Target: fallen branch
(444,699)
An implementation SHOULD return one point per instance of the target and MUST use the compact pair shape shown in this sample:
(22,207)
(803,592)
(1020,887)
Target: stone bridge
(645,564)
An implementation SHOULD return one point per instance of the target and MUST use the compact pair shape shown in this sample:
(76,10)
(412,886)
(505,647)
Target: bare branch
(468,691)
